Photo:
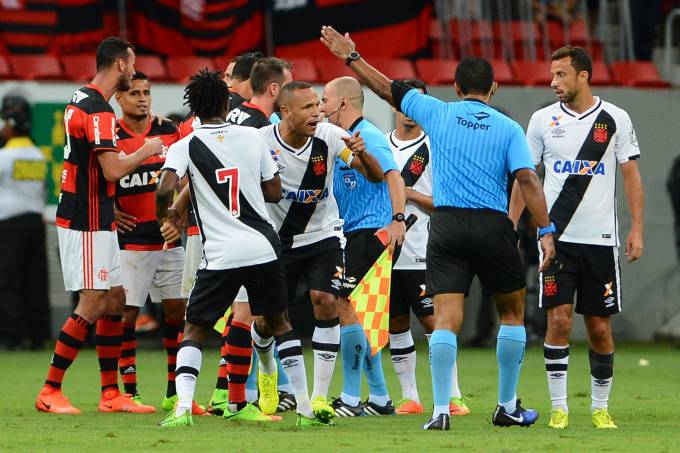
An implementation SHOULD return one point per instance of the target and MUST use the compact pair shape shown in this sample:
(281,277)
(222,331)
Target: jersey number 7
(230,176)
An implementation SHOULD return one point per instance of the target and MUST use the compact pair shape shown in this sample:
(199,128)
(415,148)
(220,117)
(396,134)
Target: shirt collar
(19,142)
(356,123)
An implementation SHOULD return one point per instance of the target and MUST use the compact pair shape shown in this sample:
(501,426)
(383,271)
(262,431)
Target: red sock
(108,340)
(68,345)
(222,380)
(170,343)
(127,364)
(239,351)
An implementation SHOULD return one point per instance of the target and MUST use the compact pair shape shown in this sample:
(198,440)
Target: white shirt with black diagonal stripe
(580,153)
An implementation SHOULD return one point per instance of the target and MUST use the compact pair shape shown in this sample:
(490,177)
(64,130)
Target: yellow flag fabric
(371,302)
(222,322)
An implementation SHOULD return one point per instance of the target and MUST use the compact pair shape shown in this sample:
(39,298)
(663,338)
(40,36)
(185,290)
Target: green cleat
(168,403)
(250,413)
(306,422)
(602,420)
(559,418)
(322,410)
(139,400)
(457,406)
(219,402)
(175,421)
(269,394)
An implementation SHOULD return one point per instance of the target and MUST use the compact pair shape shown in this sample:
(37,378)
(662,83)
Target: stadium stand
(79,67)
(638,74)
(36,67)
(152,66)
(303,69)
(181,68)
(532,73)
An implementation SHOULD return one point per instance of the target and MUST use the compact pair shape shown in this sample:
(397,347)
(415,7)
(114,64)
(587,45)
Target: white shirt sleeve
(535,138)
(177,158)
(333,135)
(268,168)
(626,145)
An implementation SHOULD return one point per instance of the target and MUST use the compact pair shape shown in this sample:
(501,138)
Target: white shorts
(157,272)
(192,259)
(89,259)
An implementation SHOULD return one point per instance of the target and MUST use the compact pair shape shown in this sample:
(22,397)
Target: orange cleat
(53,401)
(197,409)
(145,323)
(458,407)
(114,401)
(406,407)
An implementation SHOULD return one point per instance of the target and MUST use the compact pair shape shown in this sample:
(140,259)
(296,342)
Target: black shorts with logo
(590,271)
(407,292)
(320,264)
(215,290)
(468,242)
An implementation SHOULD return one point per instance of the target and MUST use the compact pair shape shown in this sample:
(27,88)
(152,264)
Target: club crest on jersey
(417,165)
(579,167)
(318,166)
(307,196)
(140,179)
(549,286)
(600,133)
(350,180)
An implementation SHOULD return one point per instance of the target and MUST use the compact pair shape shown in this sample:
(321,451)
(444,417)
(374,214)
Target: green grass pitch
(644,403)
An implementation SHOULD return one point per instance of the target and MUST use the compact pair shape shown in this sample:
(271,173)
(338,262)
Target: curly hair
(206,94)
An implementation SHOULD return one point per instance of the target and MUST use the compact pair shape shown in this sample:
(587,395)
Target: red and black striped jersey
(86,198)
(136,193)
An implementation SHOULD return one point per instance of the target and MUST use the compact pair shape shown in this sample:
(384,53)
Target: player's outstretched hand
(634,245)
(548,249)
(124,222)
(155,146)
(355,144)
(338,44)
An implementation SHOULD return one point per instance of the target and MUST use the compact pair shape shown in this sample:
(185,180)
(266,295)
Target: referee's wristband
(547,230)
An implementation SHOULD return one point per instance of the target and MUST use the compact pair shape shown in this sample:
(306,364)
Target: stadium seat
(532,72)
(503,74)
(331,68)
(36,67)
(152,66)
(303,69)
(394,68)
(601,74)
(79,67)
(181,68)
(637,74)
(435,71)
(5,70)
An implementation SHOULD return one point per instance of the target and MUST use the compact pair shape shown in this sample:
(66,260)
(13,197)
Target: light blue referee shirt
(472,147)
(364,204)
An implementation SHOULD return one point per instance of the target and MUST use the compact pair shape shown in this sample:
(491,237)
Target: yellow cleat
(269,394)
(322,410)
(602,419)
(559,418)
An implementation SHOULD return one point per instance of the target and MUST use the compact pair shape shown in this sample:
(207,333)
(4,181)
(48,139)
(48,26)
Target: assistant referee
(474,147)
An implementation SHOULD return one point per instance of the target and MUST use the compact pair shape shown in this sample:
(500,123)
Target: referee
(473,149)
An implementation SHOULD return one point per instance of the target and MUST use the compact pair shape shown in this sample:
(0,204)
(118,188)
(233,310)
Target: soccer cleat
(559,418)
(145,323)
(114,401)
(286,402)
(406,407)
(219,402)
(53,401)
(440,423)
(174,421)
(602,420)
(343,409)
(139,400)
(306,422)
(375,409)
(322,410)
(170,401)
(269,395)
(250,413)
(521,417)
(458,407)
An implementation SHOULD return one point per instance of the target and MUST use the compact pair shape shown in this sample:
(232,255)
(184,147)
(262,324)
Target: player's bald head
(348,88)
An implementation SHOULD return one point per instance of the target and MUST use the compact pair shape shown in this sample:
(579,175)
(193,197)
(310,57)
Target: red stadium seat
(637,74)
(532,72)
(5,70)
(222,62)
(303,69)
(32,67)
(601,74)
(394,68)
(502,73)
(181,68)
(152,66)
(436,72)
(79,67)
(331,68)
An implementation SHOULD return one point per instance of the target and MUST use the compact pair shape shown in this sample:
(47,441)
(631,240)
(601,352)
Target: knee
(174,312)
(599,331)
(273,325)
(130,315)
(400,323)
(560,324)
(115,300)
(325,305)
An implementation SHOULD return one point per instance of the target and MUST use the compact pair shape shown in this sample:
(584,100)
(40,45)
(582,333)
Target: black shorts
(590,271)
(468,242)
(408,293)
(362,250)
(215,290)
(320,265)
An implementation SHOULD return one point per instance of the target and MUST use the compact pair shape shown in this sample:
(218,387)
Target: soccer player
(88,245)
(366,207)
(580,139)
(231,175)
(307,219)
(473,149)
(411,150)
(146,267)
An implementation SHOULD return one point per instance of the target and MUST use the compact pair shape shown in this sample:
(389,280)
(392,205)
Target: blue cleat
(521,417)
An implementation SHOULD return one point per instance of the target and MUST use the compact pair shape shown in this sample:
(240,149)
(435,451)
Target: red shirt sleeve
(100,131)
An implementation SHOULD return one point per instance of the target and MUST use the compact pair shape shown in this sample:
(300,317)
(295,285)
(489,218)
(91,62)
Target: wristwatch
(353,56)
(399,217)
(542,231)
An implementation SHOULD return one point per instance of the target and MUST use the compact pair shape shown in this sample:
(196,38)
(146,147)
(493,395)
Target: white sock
(556,362)
(601,376)
(455,390)
(349,399)
(325,344)
(188,366)
(403,354)
(440,410)
(600,389)
(251,395)
(379,400)
(509,406)
(265,351)
(293,363)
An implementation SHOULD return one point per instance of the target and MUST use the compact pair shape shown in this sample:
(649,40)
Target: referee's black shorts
(468,242)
